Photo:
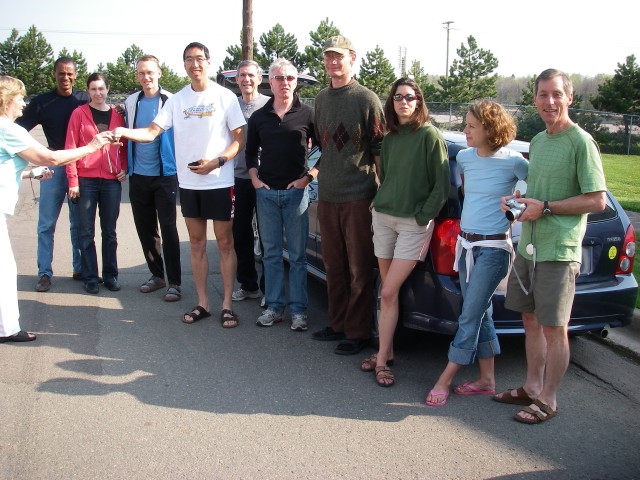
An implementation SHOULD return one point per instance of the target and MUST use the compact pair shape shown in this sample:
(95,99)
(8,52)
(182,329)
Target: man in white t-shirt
(207,122)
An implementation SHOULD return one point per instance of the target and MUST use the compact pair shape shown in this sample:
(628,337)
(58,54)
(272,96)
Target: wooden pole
(247,29)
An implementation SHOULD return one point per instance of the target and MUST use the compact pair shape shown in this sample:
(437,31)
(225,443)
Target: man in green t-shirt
(565,183)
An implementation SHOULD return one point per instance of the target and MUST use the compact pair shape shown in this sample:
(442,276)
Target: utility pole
(448,27)
(247,29)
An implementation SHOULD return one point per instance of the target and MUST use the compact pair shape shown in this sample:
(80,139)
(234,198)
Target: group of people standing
(383,177)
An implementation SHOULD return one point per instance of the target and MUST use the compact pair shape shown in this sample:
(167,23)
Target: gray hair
(250,63)
(551,73)
(280,64)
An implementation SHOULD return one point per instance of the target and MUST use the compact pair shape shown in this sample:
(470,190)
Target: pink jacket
(104,163)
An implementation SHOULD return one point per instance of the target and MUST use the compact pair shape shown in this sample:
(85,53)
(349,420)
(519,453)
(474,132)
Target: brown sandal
(228,317)
(383,373)
(520,398)
(369,363)
(545,413)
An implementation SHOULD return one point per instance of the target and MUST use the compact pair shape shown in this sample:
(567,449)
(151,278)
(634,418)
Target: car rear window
(608,213)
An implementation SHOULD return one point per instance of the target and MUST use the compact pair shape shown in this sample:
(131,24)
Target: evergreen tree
(122,74)
(429,89)
(276,43)
(171,81)
(470,76)
(621,93)
(376,73)
(10,54)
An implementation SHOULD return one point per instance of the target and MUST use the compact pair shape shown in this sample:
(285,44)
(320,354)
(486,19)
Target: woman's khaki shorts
(399,237)
(554,286)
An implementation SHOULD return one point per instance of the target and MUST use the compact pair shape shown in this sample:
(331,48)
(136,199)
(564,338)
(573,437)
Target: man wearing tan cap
(349,124)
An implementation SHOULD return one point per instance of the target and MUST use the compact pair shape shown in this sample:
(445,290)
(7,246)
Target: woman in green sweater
(414,184)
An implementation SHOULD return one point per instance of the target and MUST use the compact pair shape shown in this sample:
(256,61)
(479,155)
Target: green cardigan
(414,174)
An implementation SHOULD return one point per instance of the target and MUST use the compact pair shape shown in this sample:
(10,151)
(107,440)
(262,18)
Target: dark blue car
(430,299)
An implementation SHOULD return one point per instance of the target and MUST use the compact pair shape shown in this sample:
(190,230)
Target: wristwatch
(546,210)
(309,177)
(221,162)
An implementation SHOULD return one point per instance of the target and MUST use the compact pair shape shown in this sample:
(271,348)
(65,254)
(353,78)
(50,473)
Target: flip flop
(444,396)
(545,413)
(197,313)
(21,336)
(228,316)
(470,389)
(521,397)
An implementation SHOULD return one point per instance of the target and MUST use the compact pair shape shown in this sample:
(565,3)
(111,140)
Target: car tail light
(625,263)
(443,246)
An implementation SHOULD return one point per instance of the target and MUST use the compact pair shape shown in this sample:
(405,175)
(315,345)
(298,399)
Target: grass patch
(623,179)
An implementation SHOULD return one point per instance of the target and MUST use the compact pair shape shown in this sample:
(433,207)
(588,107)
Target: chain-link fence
(615,133)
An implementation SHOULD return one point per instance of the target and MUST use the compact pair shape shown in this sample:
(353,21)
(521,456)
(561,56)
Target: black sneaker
(327,334)
(91,288)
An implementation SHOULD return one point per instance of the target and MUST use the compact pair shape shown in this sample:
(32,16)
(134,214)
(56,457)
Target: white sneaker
(263,302)
(242,294)
(268,318)
(299,322)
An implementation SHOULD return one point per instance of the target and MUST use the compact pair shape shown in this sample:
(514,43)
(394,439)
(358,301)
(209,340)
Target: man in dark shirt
(52,110)
(282,129)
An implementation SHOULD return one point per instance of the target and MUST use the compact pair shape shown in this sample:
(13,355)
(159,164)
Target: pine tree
(376,73)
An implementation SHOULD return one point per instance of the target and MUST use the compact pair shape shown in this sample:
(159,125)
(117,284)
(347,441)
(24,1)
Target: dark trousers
(347,252)
(153,202)
(245,204)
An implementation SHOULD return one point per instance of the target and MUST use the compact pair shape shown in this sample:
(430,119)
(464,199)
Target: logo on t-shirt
(199,111)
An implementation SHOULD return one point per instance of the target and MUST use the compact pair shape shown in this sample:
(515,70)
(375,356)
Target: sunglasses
(281,78)
(409,97)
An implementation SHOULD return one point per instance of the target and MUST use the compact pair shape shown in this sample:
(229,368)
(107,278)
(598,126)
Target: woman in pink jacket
(95,182)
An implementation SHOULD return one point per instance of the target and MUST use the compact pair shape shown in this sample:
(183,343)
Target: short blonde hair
(9,88)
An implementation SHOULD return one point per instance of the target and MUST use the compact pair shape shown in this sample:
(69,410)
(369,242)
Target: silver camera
(515,210)
(38,172)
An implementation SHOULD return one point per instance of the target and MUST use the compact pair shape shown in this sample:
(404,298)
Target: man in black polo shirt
(52,110)
(282,129)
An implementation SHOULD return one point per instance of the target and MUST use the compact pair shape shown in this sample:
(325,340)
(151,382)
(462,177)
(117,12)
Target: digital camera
(515,210)
(38,172)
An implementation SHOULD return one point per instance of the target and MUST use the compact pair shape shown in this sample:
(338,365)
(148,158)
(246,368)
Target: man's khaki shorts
(554,286)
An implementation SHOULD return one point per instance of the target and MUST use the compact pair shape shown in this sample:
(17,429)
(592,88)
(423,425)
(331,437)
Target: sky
(525,37)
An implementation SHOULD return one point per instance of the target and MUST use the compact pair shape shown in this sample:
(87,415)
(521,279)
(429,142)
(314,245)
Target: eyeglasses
(281,78)
(409,97)
(199,60)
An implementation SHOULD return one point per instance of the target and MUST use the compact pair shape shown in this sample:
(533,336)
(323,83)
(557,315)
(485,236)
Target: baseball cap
(338,44)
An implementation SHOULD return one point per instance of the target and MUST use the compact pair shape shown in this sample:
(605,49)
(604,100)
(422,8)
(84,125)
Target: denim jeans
(476,335)
(52,195)
(288,209)
(102,195)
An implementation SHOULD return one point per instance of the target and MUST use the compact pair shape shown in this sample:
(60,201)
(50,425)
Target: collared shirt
(284,143)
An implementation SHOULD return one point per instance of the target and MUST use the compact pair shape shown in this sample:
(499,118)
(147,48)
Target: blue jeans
(103,195)
(288,209)
(476,335)
(52,195)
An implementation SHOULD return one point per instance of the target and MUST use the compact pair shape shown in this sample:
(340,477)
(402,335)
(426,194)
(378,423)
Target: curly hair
(499,124)
(9,88)
(420,115)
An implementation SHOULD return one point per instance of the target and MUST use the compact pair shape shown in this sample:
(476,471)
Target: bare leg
(536,347)
(395,273)
(557,361)
(197,228)
(228,259)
